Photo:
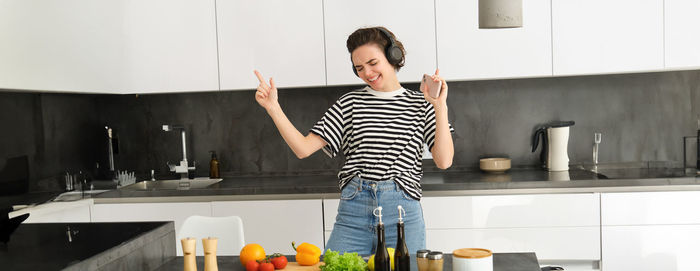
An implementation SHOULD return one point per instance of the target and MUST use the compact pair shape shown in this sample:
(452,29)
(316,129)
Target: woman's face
(373,68)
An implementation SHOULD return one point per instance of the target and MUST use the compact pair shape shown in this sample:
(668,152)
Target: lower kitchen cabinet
(650,231)
(560,228)
(133,212)
(274,224)
(651,247)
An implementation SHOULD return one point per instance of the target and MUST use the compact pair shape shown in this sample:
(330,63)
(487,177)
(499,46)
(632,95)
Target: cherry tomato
(252,265)
(266,267)
(279,262)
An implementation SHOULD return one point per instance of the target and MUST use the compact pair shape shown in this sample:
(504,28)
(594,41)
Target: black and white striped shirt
(381,134)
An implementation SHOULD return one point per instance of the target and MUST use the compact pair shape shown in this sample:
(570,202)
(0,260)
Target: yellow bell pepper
(307,254)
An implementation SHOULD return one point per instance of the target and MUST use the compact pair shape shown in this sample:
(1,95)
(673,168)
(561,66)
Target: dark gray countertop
(47,247)
(501,262)
(434,184)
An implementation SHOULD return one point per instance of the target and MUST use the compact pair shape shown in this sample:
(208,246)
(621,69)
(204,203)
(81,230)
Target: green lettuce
(346,262)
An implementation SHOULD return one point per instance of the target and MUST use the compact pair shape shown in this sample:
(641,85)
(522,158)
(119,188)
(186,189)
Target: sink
(183,184)
(633,170)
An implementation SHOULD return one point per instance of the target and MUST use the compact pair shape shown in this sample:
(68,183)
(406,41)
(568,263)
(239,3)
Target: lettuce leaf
(346,262)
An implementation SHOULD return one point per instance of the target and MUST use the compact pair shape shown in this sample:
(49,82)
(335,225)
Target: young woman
(381,130)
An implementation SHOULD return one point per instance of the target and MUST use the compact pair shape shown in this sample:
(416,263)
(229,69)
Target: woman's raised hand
(442,98)
(266,95)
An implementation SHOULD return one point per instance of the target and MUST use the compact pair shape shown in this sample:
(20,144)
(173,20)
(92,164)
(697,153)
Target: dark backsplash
(642,117)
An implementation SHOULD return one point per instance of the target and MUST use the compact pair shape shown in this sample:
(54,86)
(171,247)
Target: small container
(435,261)
(422,259)
(472,259)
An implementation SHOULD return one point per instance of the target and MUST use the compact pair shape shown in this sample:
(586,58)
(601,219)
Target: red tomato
(279,262)
(266,267)
(252,265)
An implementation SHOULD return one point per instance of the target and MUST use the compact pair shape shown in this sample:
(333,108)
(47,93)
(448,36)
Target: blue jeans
(355,228)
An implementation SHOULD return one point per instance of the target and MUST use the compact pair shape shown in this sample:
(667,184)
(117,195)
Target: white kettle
(554,155)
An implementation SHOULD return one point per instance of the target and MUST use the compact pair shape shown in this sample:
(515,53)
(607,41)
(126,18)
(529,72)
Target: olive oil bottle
(402,260)
(381,257)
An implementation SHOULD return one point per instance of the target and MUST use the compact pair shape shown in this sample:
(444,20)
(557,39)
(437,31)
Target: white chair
(228,230)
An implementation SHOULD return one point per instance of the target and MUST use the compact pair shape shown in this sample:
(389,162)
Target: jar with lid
(472,259)
(422,259)
(435,261)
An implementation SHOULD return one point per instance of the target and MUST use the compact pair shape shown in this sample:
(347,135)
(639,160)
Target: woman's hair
(373,35)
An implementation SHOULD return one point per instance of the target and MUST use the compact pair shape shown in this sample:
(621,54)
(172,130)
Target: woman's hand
(266,95)
(441,100)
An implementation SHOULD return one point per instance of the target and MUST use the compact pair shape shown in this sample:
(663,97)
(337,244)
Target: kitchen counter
(501,262)
(91,246)
(514,181)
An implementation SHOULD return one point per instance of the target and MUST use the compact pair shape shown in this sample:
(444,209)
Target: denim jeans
(355,228)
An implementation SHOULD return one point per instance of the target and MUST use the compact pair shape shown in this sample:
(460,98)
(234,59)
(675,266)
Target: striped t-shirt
(381,134)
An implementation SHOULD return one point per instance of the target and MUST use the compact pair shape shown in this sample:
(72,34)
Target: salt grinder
(209,245)
(189,246)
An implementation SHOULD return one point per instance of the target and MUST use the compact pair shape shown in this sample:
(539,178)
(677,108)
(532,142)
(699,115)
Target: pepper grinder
(209,245)
(189,246)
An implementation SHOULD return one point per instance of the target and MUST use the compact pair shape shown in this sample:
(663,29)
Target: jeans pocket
(405,195)
(349,192)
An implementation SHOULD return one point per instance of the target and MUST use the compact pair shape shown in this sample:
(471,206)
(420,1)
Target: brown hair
(373,35)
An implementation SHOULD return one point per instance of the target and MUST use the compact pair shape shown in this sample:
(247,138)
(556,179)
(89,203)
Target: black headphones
(393,53)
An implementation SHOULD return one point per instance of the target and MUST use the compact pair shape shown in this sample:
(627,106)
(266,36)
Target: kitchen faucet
(182,168)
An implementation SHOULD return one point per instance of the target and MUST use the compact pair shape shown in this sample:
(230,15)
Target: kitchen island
(89,246)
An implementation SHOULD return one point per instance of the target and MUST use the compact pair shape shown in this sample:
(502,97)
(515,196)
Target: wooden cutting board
(295,266)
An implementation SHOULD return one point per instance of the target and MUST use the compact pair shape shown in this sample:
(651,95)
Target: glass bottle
(213,166)
(402,260)
(381,257)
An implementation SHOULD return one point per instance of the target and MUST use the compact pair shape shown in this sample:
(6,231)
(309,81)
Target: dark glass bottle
(402,260)
(381,257)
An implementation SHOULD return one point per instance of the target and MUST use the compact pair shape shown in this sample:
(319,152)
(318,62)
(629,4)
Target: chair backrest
(228,230)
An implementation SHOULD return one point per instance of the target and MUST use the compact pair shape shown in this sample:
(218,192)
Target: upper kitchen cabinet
(170,46)
(108,46)
(467,52)
(280,38)
(72,45)
(607,36)
(682,41)
(413,23)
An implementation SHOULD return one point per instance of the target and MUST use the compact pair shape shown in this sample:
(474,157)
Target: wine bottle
(402,260)
(381,257)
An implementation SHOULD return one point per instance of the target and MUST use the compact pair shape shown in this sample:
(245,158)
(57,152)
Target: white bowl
(494,164)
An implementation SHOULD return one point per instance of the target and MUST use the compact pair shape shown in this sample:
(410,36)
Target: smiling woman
(381,130)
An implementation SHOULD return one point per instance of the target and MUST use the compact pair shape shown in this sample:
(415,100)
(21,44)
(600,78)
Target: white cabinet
(607,36)
(681,27)
(169,46)
(650,230)
(72,45)
(132,212)
(280,38)
(560,227)
(108,47)
(466,52)
(274,224)
(413,23)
